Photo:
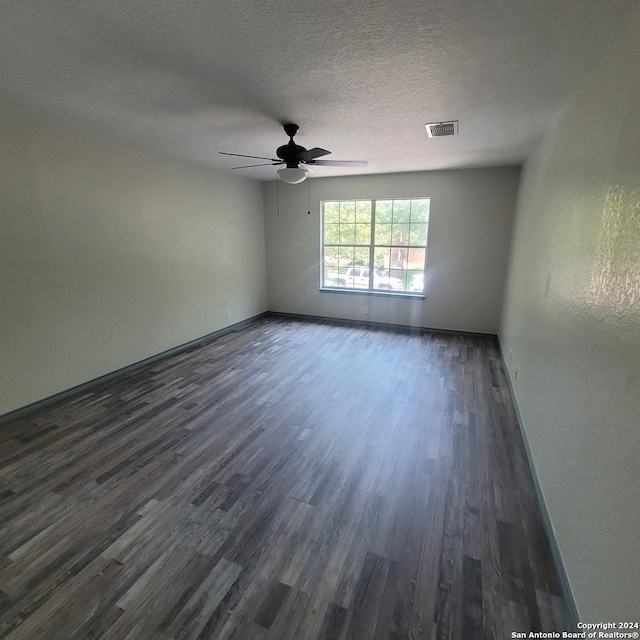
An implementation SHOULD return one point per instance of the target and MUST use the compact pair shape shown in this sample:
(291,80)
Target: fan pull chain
(308,197)
(278,194)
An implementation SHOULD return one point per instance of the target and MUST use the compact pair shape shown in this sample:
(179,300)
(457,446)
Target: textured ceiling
(190,78)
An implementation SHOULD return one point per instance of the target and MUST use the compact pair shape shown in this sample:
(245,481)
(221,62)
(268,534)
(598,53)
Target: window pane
(331,257)
(331,212)
(361,256)
(347,212)
(381,258)
(420,210)
(418,233)
(345,257)
(363,234)
(416,259)
(400,234)
(347,233)
(363,211)
(329,277)
(416,282)
(332,234)
(383,233)
(398,258)
(384,211)
(401,211)
(361,281)
(416,270)
(401,275)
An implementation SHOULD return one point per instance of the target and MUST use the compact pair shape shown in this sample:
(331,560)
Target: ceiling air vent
(439,129)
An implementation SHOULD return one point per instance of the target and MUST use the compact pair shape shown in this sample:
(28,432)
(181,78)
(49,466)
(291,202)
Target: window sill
(367,292)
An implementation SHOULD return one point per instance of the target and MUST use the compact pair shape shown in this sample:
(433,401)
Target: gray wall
(572,320)
(469,232)
(108,256)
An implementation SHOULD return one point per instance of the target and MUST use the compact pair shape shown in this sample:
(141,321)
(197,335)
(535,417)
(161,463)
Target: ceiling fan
(293,155)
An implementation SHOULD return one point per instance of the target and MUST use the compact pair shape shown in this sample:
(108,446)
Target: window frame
(372,246)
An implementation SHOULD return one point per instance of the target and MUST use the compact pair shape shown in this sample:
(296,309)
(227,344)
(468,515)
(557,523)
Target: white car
(358,278)
(382,280)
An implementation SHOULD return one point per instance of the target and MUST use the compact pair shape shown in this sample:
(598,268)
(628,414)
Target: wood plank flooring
(289,480)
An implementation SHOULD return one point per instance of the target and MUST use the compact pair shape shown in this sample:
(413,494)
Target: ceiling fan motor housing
(291,151)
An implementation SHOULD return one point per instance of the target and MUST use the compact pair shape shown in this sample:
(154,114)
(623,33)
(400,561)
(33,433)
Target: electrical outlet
(365,310)
(515,374)
(228,314)
(510,354)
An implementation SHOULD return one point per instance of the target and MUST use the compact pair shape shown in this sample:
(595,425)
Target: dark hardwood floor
(289,480)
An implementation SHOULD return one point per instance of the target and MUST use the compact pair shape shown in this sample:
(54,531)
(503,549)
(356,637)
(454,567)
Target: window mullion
(372,244)
(323,269)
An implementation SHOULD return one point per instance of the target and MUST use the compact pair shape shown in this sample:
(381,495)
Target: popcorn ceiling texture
(192,78)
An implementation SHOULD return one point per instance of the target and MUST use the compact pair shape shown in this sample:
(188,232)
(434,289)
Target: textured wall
(469,230)
(572,320)
(108,256)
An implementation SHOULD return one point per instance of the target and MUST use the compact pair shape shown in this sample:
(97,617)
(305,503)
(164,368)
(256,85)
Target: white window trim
(371,246)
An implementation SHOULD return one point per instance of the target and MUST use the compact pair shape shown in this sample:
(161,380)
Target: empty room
(319,321)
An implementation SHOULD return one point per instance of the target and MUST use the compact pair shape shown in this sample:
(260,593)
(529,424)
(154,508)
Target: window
(375,245)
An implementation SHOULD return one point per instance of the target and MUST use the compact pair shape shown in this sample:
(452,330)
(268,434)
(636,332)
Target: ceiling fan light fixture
(292,175)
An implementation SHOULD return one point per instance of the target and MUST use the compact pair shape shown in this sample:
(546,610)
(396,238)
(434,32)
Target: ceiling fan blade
(241,155)
(265,164)
(339,163)
(312,154)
